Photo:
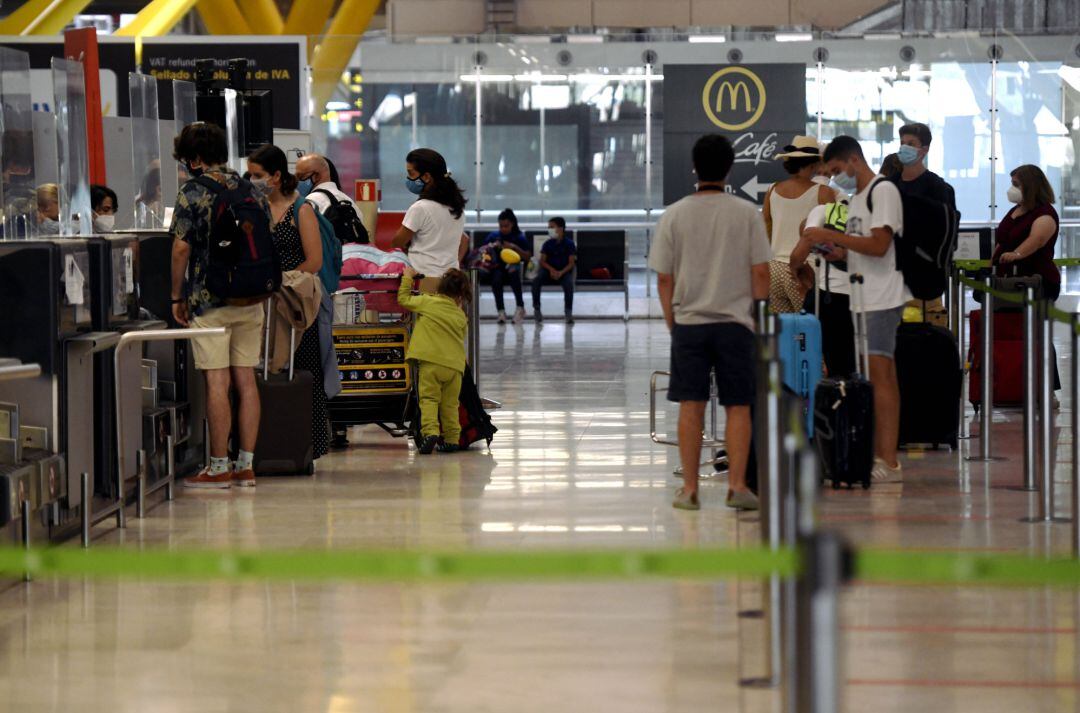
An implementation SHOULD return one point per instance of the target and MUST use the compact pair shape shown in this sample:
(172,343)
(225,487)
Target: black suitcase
(844,414)
(284,445)
(930,376)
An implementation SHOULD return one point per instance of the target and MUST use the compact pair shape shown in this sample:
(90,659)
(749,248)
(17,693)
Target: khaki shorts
(241,347)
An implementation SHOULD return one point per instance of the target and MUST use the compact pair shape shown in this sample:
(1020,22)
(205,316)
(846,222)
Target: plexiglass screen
(73,166)
(17,190)
(146,151)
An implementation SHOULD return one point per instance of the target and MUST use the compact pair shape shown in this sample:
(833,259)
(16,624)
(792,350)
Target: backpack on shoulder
(330,272)
(346,223)
(243,263)
(924,250)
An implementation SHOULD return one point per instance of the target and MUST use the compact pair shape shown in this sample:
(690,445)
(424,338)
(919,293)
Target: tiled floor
(572,466)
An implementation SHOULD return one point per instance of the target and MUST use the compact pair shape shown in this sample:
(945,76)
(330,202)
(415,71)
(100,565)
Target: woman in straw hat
(787,204)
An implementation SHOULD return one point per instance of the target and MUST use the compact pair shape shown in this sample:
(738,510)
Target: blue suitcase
(800,356)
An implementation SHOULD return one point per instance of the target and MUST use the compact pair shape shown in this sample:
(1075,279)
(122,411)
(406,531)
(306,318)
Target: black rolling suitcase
(284,445)
(844,413)
(930,376)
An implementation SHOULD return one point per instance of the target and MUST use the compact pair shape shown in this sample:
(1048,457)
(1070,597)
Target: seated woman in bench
(508,236)
(558,259)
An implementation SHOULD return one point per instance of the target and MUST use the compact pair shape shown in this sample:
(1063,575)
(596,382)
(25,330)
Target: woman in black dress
(299,246)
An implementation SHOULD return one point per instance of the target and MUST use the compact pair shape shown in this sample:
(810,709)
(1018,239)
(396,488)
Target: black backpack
(342,215)
(924,250)
(243,262)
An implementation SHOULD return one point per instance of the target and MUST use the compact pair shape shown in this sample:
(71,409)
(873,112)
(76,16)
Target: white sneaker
(884,473)
(502,317)
(519,315)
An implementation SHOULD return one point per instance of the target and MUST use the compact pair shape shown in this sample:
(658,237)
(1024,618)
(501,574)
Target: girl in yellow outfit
(438,348)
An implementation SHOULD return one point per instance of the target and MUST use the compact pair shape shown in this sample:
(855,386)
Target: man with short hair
(313,174)
(558,259)
(873,221)
(916,179)
(711,255)
(227,362)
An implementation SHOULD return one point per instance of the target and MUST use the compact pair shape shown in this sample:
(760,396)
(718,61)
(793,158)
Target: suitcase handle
(858,309)
(266,342)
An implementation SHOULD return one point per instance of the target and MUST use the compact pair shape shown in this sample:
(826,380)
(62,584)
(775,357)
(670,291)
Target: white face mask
(1015,195)
(105,223)
(553,232)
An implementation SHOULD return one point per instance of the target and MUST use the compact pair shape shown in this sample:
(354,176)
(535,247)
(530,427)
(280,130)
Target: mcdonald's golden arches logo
(734,98)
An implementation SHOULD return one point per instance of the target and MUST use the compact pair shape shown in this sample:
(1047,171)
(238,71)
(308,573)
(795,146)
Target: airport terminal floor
(572,466)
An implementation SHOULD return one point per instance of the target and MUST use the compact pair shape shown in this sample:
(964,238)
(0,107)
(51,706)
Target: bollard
(1046,412)
(140,483)
(1074,389)
(986,409)
(1030,340)
(817,625)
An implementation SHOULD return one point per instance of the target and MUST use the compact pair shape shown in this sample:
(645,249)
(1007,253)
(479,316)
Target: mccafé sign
(734,98)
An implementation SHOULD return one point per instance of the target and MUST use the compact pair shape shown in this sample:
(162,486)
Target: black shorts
(698,349)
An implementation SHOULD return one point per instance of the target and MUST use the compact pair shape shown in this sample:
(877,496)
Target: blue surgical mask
(414,185)
(908,155)
(305,187)
(845,182)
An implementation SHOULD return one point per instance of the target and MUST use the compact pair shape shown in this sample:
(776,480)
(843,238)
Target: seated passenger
(558,261)
(508,236)
(48,209)
(103,204)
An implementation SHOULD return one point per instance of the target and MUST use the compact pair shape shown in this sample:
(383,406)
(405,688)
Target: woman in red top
(1027,234)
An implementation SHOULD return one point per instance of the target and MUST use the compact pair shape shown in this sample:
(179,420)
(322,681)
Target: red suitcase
(1008,358)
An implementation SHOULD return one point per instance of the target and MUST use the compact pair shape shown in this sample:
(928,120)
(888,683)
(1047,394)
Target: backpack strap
(210,184)
(334,200)
(870,196)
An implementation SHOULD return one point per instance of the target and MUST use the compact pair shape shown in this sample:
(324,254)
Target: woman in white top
(787,204)
(432,231)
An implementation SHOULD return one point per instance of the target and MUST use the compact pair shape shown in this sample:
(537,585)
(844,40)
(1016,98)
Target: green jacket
(439,335)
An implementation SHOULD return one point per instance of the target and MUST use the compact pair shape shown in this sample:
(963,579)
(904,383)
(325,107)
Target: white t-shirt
(320,201)
(434,247)
(883,286)
(709,242)
(838,279)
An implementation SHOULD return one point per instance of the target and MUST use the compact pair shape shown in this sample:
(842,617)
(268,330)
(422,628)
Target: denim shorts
(881,326)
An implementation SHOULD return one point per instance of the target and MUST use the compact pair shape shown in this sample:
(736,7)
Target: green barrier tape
(929,568)
(1013,297)
(974,265)
(396,566)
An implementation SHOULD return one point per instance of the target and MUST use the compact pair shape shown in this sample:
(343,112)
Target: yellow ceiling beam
(157,18)
(223,17)
(41,17)
(308,17)
(263,16)
(332,55)
(59,15)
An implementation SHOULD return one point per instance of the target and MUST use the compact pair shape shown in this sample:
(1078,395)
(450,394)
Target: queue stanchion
(825,568)
(962,345)
(1074,390)
(1046,413)
(986,408)
(1030,375)
(769,445)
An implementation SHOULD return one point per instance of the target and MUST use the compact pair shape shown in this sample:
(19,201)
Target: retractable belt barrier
(905,567)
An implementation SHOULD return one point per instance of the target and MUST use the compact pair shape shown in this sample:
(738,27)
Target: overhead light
(584,39)
(616,78)
(487,77)
(539,78)
(883,36)
(794,37)
(706,39)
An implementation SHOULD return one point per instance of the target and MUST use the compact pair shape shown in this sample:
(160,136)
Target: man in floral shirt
(228,362)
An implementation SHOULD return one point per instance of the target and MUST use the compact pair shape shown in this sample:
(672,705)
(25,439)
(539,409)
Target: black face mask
(193,172)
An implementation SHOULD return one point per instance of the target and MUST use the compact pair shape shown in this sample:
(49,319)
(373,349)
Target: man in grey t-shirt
(711,255)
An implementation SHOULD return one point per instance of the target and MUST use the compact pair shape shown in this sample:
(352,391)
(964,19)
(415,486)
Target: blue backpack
(330,272)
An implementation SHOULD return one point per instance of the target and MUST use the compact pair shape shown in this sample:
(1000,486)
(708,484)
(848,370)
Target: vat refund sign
(760,108)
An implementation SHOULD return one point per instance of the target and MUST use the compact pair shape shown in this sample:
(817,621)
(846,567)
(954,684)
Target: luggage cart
(719,460)
(378,385)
